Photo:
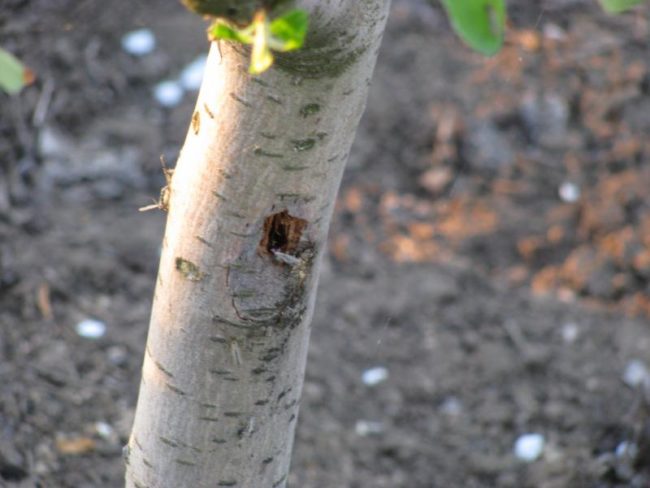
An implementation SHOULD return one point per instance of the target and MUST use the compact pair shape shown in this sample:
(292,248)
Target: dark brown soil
(459,261)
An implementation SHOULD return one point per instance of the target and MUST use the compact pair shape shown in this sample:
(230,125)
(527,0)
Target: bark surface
(249,209)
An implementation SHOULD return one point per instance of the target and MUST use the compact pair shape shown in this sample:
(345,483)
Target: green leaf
(288,31)
(617,6)
(284,33)
(480,23)
(13,75)
(223,30)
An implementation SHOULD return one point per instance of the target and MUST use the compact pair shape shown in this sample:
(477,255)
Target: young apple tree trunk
(249,206)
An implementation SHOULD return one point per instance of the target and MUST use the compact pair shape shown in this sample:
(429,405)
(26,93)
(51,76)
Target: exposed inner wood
(282,233)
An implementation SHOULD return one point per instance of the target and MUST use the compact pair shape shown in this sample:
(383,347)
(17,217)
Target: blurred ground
(490,249)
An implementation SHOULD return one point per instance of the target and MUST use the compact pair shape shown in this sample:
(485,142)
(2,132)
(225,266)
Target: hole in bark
(282,233)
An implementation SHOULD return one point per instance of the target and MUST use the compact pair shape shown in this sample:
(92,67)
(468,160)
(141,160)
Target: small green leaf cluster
(617,6)
(481,23)
(13,74)
(284,33)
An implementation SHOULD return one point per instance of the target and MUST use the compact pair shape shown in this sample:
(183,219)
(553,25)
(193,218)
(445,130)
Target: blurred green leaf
(223,30)
(617,6)
(480,23)
(13,75)
(288,31)
(284,33)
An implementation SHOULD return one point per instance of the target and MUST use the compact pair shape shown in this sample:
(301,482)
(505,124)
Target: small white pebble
(452,407)
(374,376)
(626,449)
(192,75)
(636,373)
(529,447)
(570,332)
(139,42)
(104,430)
(553,32)
(117,355)
(168,93)
(91,329)
(569,192)
(365,428)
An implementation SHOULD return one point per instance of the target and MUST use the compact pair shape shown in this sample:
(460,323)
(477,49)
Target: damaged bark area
(282,234)
(267,283)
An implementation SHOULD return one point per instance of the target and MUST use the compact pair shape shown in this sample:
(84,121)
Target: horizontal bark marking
(220,372)
(244,294)
(289,167)
(239,99)
(209,419)
(224,173)
(219,196)
(184,462)
(137,443)
(235,214)
(301,145)
(207,110)
(175,389)
(196,122)
(296,196)
(243,235)
(283,394)
(309,109)
(227,483)
(237,325)
(158,365)
(167,441)
(258,151)
(279,482)
(202,241)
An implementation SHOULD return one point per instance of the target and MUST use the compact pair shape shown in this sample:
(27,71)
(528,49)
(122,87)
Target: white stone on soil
(91,328)
(635,373)
(569,192)
(139,42)
(374,376)
(192,75)
(365,428)
(570,332)
(529,447)
(168,93)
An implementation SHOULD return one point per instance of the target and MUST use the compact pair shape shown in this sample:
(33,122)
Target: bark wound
(282,233)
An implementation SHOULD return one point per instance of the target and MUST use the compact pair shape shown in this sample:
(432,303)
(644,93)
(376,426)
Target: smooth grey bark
(249,207)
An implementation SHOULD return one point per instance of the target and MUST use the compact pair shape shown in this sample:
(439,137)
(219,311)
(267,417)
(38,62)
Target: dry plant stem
(249,210)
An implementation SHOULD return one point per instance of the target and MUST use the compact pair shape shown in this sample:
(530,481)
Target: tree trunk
(249,207)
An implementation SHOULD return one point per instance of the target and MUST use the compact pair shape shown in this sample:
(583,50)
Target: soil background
(490,249)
